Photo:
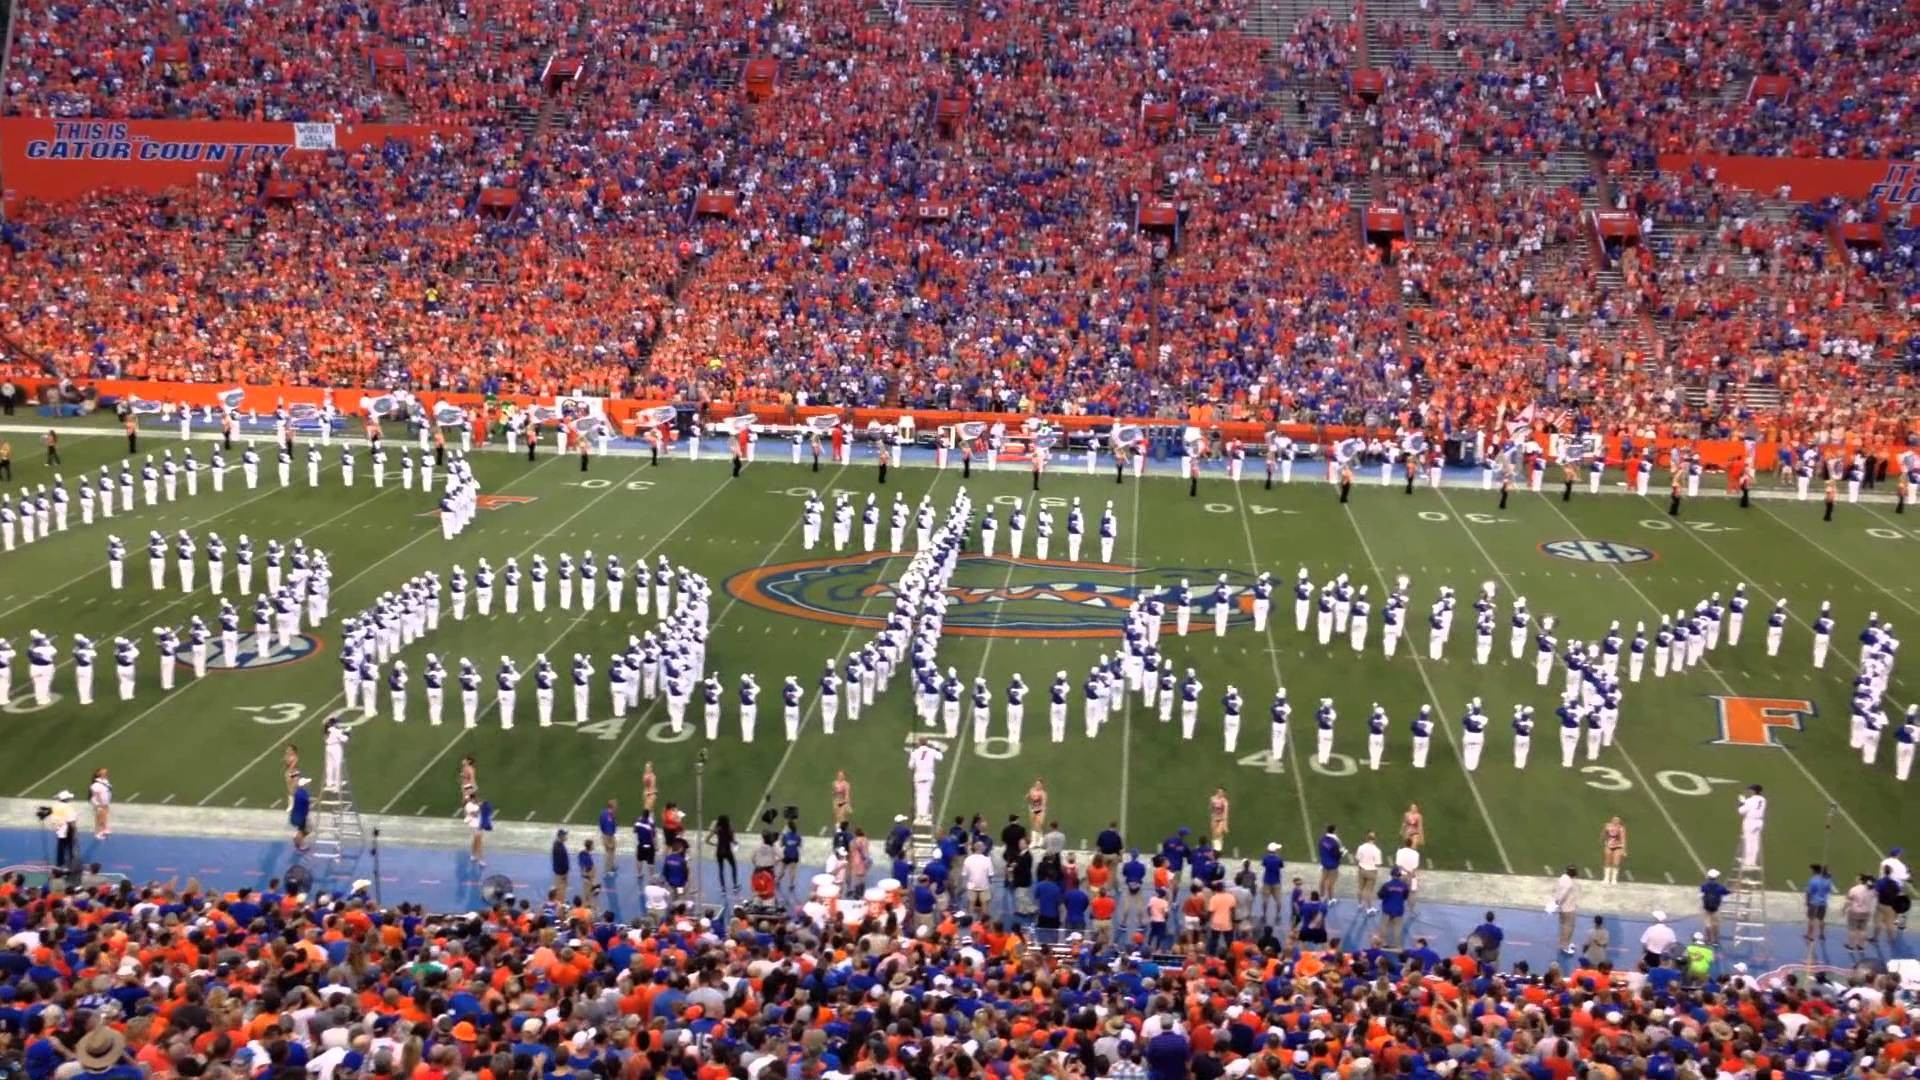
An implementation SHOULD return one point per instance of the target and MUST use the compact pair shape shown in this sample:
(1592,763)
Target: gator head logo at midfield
(995,597)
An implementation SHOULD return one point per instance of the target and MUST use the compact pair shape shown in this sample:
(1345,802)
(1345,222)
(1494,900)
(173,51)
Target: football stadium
(915,539)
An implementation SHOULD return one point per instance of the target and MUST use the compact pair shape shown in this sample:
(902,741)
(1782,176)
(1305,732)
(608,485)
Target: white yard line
(1443,720)
(1652,793)
(336,698)
(101,566)
(813,703)
(1844,658)
(1854,570)
(95,746)
(1291,762)
(719,619)
(460,733)
(1126,714)
(960,744)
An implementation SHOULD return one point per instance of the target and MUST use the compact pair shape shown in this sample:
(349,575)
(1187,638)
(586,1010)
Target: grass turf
(217,742)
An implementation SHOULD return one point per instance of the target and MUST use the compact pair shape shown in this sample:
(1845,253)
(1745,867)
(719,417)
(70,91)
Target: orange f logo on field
(1750,721)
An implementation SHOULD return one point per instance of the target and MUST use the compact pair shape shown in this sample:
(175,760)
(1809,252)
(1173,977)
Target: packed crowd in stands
(117,982)
(939,206)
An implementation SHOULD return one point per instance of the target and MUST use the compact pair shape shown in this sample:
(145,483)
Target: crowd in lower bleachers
(117,982)
(942,205)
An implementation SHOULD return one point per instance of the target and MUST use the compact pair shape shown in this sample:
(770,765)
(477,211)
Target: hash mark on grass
(1668,875)
(167,800)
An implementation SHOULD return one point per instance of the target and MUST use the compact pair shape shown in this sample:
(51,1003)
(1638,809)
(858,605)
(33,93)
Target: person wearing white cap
(1712,893)
(506,680)
(922,760)
(749,706)
(790,698)
(60,823)
(1657,940)
(397,690)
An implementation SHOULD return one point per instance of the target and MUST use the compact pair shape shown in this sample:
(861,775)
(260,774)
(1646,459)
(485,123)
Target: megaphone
(655,416)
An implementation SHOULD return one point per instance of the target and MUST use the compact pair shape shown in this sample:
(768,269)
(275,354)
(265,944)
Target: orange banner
(1715,453)
(1894,183)
(57,160)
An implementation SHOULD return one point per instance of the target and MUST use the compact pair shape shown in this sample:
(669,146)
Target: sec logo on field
(295,650)
(1597,551)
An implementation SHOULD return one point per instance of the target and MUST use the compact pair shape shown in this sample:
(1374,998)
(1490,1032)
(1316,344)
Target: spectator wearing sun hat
(101,1054)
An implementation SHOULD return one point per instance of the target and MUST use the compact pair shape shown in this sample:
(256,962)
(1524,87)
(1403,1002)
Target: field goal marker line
(813,703)
(960,744)
(1273,661)
(166,696)
(460,734)
(1844,658)
(1443,723)
(1653,793)
(289,734)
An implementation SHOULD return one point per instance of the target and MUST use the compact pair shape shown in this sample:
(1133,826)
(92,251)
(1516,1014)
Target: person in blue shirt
(1331,852)
(298,814)
(1109,842)
(1393,897)
(562,865)
(1488,936)
(1132,910)
(1272,879)
(1076,901)
(673,868)
(1176,852)
(644,844)
(1819,892)
(1712,892)
(609,827)
(1047,903)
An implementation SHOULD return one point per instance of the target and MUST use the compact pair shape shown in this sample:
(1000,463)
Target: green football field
(1686,744)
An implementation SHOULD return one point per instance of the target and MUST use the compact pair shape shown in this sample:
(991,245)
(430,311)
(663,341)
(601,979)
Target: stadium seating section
(1294,211)
(171,981)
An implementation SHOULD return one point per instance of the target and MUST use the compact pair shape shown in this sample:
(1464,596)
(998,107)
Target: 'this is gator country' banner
(56,160)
